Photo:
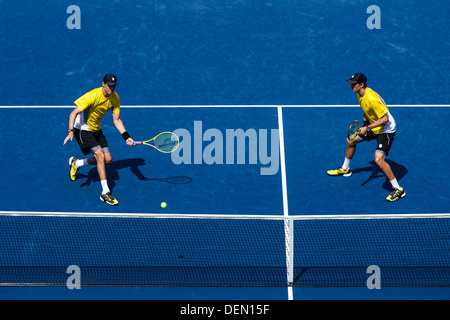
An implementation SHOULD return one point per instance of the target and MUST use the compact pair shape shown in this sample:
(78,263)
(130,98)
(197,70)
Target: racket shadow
(399,171)
(112,171)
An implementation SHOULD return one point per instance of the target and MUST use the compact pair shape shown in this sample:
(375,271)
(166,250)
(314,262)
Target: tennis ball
(163,204)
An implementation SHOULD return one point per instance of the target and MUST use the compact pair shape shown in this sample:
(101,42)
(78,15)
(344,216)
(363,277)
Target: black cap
(110,79)
(357,78)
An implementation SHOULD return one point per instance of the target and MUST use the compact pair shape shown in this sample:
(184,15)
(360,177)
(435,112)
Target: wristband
(125,136)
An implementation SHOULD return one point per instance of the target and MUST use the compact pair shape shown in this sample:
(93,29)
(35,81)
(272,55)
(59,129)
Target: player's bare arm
(383,120)
(121,128)
(72,118)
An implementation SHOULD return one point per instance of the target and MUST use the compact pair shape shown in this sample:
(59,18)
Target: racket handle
(138,142)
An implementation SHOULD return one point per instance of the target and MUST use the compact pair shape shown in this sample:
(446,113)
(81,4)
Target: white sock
(346,164)
(105,186)
(395,184)
(81,162)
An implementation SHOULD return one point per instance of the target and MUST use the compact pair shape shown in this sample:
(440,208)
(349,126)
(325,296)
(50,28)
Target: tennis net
(36,248)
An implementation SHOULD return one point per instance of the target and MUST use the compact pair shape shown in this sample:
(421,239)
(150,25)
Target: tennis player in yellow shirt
(84,125)
(379,124)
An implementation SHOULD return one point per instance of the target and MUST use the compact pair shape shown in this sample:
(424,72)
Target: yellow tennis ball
(163,204)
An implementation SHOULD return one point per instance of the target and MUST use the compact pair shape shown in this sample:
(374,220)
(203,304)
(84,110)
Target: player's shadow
(112,172)
(399,171)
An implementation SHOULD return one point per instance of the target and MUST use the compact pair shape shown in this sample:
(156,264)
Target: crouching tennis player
(84,124)
(379,125)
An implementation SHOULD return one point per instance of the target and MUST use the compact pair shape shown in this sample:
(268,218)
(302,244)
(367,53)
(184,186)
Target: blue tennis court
(213,72)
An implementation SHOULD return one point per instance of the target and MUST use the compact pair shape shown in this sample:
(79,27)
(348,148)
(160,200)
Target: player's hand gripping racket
(354,130)
(165,142)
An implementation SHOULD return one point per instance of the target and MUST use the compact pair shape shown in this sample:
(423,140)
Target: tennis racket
(165,142)
(353,130)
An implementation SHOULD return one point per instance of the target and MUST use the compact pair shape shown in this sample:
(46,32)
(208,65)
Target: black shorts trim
(384,141)
(88,140)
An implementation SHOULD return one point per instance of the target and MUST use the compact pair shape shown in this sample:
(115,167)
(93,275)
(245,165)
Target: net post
(289,247)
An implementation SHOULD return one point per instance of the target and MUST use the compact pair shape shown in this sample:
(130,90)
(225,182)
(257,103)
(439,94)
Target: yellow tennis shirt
(375,108)
(94,106)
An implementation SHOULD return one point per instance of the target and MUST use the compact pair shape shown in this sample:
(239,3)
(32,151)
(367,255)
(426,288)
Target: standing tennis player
(379,125)
(84,124)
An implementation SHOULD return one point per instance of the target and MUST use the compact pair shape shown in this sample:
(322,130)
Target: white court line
(283,161)
(393,216)
(242,106)
(288,225)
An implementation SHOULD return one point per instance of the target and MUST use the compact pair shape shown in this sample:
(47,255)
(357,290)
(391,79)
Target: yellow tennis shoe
(396,195)
(72,168)
(108,198)
(340,172)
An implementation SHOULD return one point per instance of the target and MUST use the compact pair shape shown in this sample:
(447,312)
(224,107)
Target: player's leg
(106,158)
(106,195)
(384,143)
(92,161)
(351,147)
(108,155)
(76,164)
(102,156)
(86,142)
(99,157)
(380,160)
(350,150)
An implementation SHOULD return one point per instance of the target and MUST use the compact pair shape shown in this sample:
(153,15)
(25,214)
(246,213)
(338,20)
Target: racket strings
(166,142)
(353,130)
